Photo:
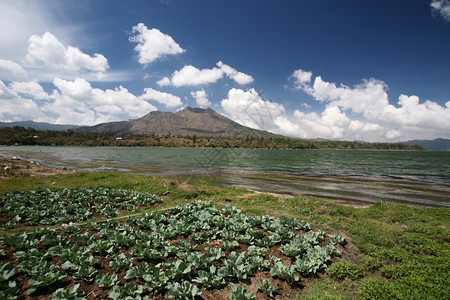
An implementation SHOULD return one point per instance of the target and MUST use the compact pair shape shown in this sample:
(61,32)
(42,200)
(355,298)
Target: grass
(402,252)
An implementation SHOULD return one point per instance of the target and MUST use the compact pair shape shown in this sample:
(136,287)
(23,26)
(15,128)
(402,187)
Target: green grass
(403,251)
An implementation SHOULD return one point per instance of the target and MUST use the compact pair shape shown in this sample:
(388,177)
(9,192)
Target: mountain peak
(188,121)
(197,109)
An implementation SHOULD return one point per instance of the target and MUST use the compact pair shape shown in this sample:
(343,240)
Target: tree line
(28,136)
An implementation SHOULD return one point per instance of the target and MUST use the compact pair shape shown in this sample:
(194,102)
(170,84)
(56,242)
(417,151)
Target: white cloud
(393,134)
(413,114)
(30,88)
(201,99)
(47,52)
(13,107)
(368,98)
(10,69)
(249,109)
(167,99)
(239,77)
(301,78)
(152,44)
(77,102)
(191,76)
(442,7)
(331,123)
(369,102)
(164,81)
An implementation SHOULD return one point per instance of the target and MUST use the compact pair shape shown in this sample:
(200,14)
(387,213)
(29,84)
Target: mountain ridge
(38,125)
(188,121)
(438,144)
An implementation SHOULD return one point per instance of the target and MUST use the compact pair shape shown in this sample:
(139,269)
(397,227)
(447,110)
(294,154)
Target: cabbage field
(191,251)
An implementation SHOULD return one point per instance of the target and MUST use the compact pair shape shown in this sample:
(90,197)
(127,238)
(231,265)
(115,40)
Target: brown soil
(18,167)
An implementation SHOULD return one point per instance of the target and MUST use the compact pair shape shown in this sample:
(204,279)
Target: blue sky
(343,70)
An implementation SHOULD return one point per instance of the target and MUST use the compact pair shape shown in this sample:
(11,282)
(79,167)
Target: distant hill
(434,145)
(37,125)
(189,121)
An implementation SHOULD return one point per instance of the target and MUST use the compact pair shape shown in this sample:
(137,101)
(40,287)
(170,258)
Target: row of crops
(53,206)
(179,253)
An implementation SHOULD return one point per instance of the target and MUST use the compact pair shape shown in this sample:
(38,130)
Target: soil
(18,167)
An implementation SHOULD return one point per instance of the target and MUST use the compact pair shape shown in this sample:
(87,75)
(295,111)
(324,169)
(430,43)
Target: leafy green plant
(45,278)
(8,290)
(240,293)
(126,291)
(137,271)
(52,206)
(106,281)
(316,259)
(121,262)
(70,293)
(86,273)
(256,251)
(185,290)
(257,263)
(6,272)
(267,287)
(337,239)
(156,278)
(284,272)
(235,266)
(214,253)
(230,245)
(209,279)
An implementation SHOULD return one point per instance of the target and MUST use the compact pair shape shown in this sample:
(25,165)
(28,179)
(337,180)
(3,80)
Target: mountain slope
(189,121)
(37,125)
(435,145)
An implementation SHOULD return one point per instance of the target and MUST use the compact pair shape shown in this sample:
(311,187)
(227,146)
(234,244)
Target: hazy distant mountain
(37,125)
(435,145)
(189,121)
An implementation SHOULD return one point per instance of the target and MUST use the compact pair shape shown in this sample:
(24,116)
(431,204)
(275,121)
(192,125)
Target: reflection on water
(349,176)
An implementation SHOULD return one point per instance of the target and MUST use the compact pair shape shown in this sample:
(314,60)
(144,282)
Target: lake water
(356,176)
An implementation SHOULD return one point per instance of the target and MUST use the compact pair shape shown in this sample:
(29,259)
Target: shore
(16,167)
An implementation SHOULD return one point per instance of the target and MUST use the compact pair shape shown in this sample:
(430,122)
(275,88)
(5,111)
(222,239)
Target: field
(116,236)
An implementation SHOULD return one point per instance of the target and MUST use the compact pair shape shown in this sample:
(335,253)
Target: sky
(377,71)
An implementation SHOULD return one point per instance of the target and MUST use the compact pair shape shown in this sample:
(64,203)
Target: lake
(354,176)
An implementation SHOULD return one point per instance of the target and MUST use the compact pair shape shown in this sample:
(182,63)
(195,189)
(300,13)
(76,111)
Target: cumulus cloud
(369,102)
(152,44)
(442,7)
(250,109)
(191,76)
(239,77)
(167,99)
(201,99)
(8,68)
(31,88)
(301,78)
(76,102)
(13,107)
(47,52)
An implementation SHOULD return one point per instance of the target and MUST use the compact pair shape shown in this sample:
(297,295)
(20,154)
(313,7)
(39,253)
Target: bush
(373,288)
(344,269)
